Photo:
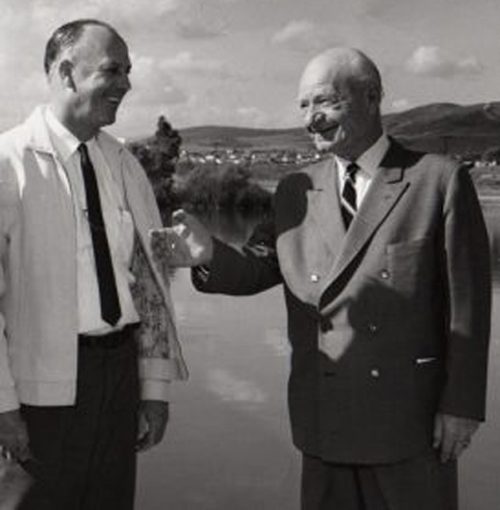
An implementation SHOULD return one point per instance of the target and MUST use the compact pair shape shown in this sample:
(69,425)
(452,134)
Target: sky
(238,62)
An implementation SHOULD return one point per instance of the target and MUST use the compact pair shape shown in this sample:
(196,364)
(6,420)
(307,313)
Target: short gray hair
(66,36)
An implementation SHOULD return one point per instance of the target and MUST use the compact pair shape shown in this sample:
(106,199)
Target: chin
(108,120)
(323,145)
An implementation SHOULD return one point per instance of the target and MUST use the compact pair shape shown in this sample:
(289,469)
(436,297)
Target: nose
(124,82)
(315,120)
(318,117)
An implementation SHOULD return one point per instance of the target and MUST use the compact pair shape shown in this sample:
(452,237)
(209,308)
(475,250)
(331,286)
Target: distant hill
(446,127)
(209,137)
(439,127)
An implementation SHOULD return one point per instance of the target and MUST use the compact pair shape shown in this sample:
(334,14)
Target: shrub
(225,187)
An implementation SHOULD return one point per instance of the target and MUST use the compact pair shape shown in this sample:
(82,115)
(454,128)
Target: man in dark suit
(383,256)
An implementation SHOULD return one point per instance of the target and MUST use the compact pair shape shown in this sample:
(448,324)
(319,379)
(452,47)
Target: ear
(373,97)
(65,73)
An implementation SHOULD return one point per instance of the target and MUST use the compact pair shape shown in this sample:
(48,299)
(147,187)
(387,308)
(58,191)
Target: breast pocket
(411,265)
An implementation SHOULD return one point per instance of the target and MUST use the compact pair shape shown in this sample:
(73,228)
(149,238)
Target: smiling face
(96,80)
(340,111)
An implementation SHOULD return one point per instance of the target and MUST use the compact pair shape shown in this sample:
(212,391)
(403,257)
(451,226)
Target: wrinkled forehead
(321,76)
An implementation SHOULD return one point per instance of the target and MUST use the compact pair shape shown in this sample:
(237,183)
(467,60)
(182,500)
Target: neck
(353,153)
(74,125)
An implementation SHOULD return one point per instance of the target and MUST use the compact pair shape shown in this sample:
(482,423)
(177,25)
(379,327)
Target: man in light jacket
(88,340)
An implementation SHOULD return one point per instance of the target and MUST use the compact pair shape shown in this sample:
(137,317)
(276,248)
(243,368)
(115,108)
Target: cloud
(196,30)
(230,388)
(46,15)
(400,105)
(433,61)
(302,35)
(185,62)
(377,8)
(153,85)
(277,340)
(253,116)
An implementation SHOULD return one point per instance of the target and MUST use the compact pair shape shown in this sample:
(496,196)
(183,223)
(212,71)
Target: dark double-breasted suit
(389,321)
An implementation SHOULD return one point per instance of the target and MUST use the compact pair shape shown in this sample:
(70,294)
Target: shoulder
(429,169)
(118,146)
(110,142)
(13,141)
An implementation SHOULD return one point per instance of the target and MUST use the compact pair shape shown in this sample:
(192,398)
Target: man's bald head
(345,67)
(339,94)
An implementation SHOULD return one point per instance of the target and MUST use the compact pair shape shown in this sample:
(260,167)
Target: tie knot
(84,151)
(351,170)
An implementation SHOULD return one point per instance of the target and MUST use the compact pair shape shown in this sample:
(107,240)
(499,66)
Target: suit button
(315,278)
(384,274)
(372,328)
(375,373)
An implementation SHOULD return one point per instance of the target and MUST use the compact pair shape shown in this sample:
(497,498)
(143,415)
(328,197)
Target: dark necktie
(348,197)
(108,295)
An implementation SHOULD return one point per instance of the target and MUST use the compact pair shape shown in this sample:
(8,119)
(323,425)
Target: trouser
(84,455)
(420,483)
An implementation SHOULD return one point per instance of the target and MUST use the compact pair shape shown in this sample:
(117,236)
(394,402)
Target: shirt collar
(65,142)
(370,160)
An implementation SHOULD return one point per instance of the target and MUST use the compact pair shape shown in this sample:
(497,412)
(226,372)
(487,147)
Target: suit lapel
(385,191)
(324,206)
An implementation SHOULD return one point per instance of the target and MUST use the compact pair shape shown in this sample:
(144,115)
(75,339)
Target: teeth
(328,129)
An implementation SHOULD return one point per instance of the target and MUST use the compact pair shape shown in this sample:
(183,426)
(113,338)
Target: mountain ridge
(438,127)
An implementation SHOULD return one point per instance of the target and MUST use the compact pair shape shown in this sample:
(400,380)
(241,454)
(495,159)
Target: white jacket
(38,295)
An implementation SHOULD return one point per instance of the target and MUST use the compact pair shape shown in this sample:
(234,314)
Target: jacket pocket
(411,265)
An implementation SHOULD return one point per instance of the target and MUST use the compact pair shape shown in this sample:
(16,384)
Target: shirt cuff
(8,400)
(155,389)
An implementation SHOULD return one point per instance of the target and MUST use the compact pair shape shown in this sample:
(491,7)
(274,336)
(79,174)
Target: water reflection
(491,211)
(230,387)
(228,445)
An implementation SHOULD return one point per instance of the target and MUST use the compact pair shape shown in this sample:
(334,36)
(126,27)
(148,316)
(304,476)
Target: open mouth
(324,131)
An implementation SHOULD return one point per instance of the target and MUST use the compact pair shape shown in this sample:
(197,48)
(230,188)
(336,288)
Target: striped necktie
(108,294)
(348,197)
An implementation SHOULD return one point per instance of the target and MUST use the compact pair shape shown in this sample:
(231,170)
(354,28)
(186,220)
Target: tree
(167,143)
(492,154)
(158,156)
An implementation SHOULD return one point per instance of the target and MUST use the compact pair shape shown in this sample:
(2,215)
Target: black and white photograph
(249,255)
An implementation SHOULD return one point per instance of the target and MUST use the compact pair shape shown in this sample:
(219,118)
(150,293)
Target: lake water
(228,443)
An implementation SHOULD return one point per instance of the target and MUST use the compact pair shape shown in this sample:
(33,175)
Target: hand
(452,435)
(153,418)
(187,243)
(13,435)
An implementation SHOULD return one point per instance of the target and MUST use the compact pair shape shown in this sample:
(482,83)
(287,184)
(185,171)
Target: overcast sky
(237,62)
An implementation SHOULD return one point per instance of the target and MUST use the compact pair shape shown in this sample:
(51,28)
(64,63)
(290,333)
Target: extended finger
(178,216)
(459,447)
(438,433)
(143,442)
(447,447)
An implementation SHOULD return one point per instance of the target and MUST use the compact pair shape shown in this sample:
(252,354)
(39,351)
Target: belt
(108,341)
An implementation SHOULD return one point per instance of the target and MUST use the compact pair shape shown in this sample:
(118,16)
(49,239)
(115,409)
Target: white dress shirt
(119,229)
(368,164)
